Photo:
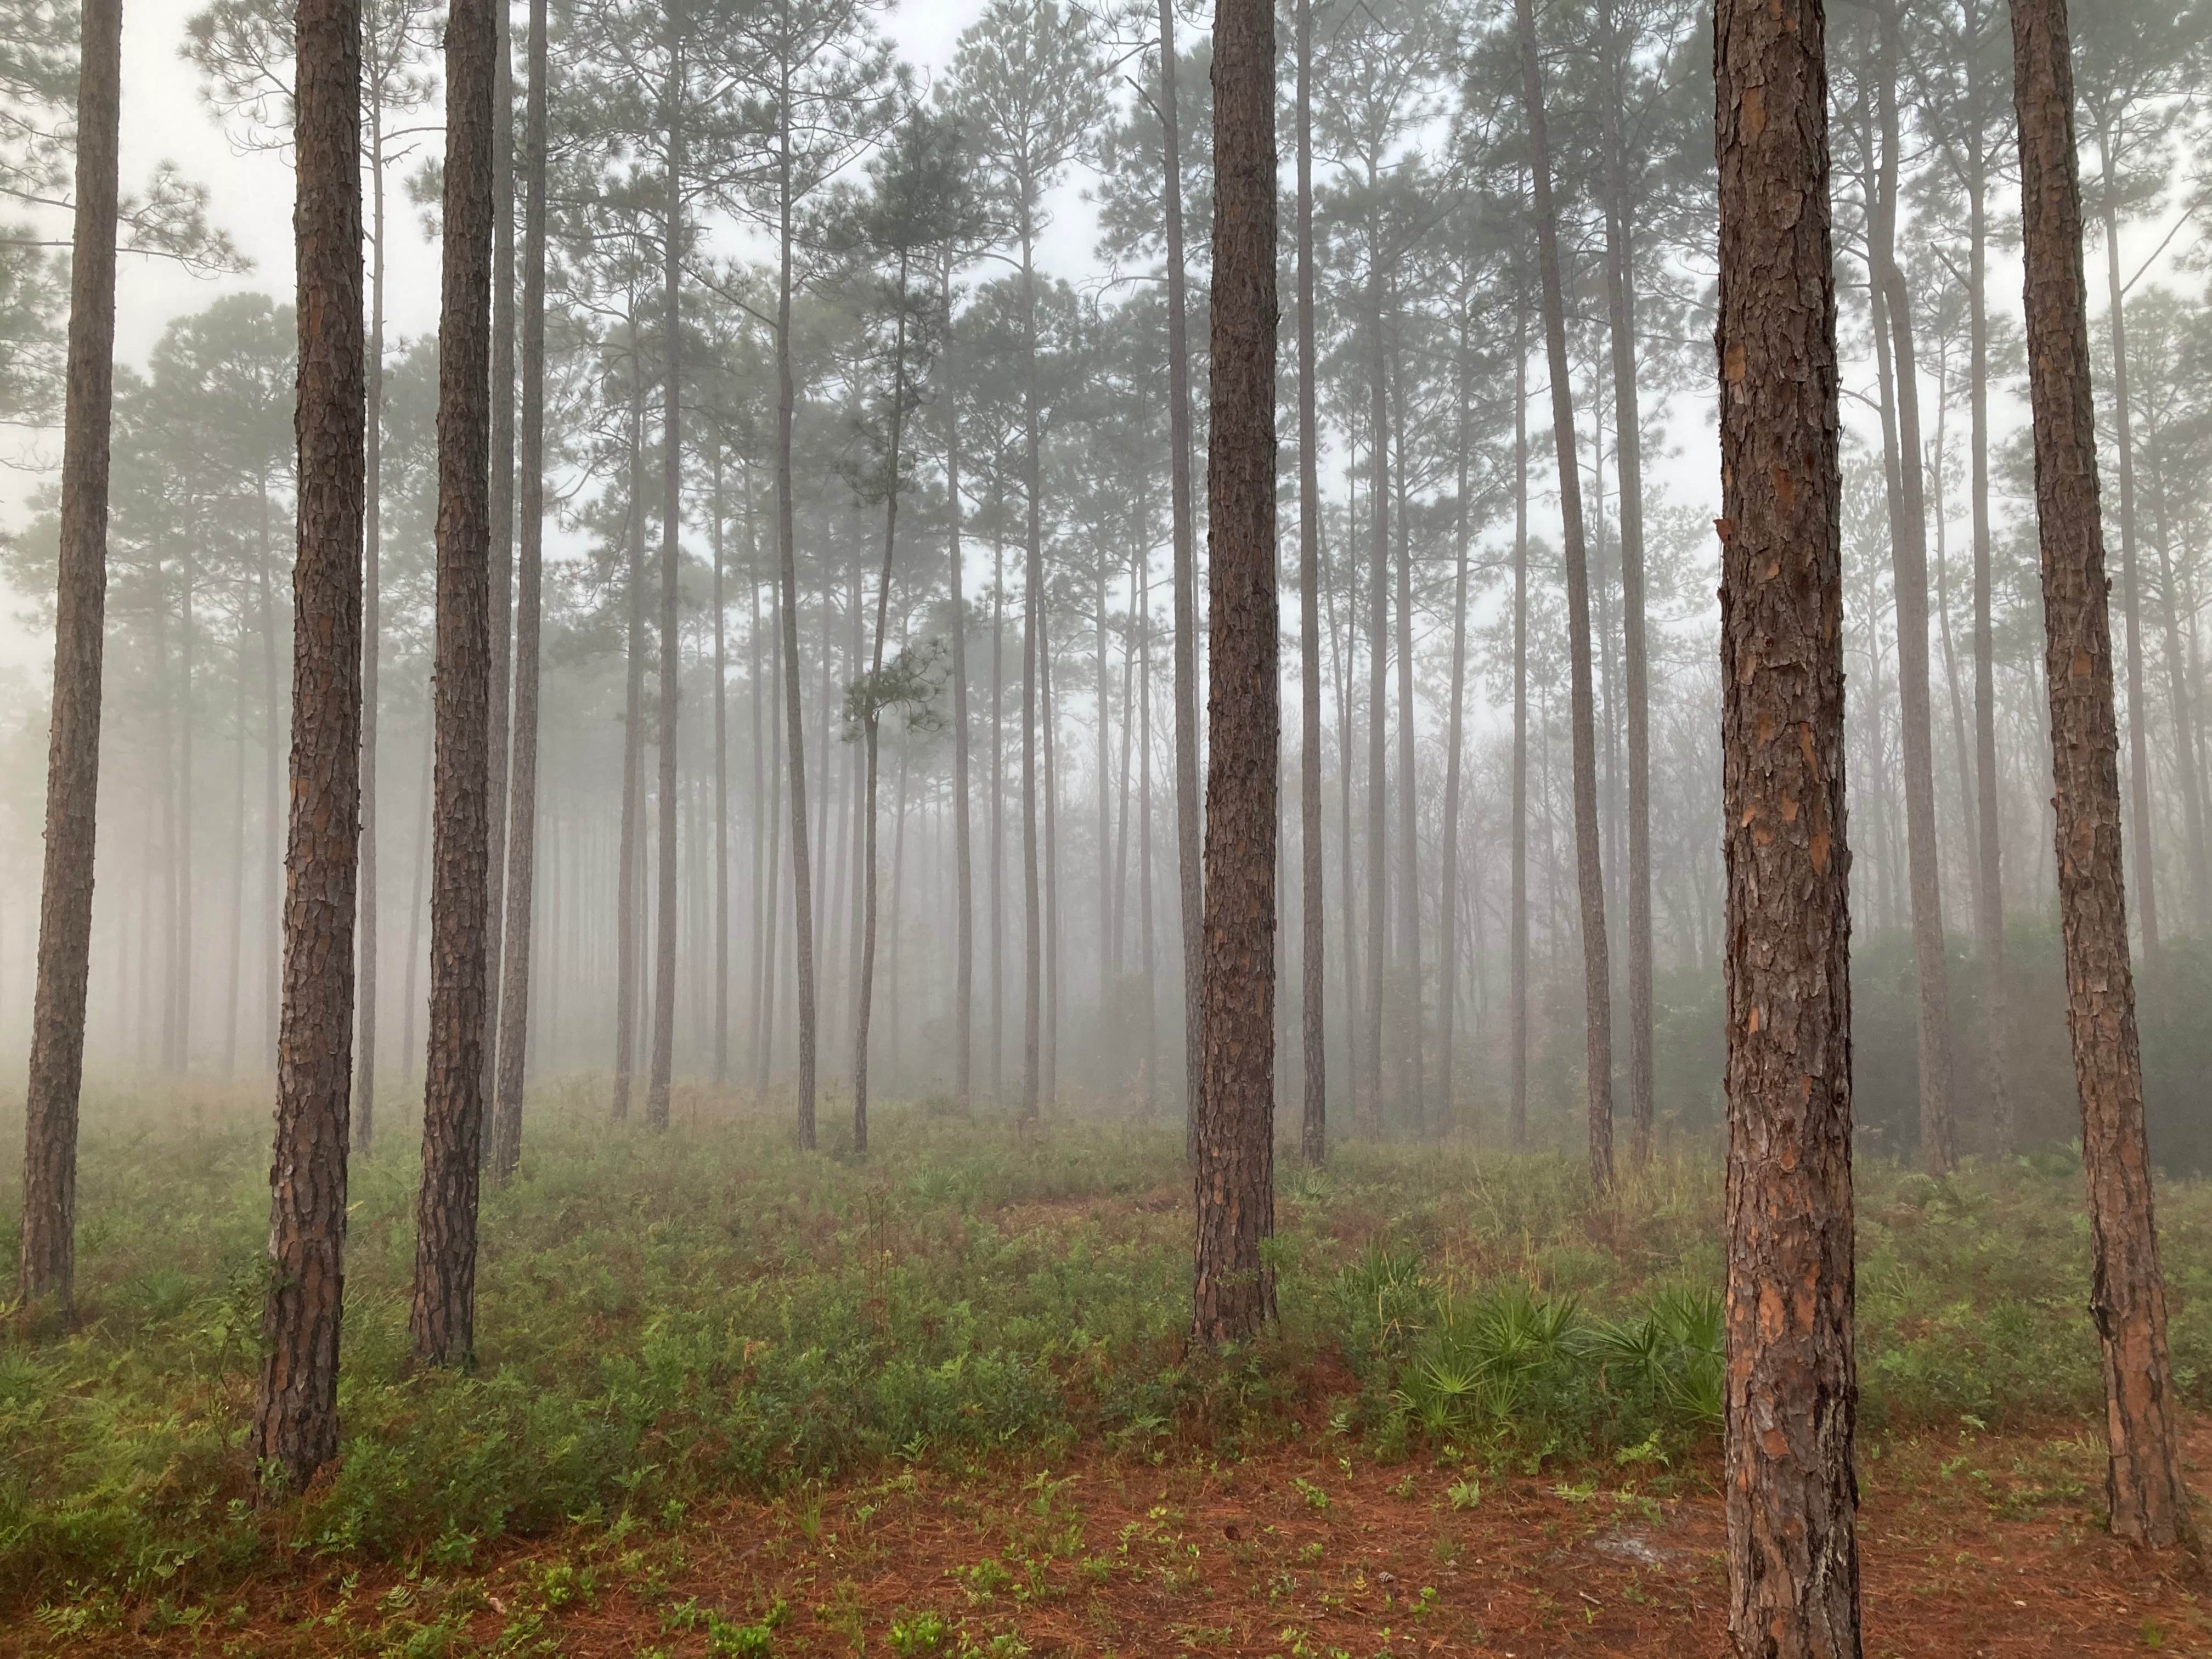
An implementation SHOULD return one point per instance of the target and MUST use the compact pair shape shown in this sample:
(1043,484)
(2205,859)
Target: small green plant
(1315,1497)
(920,1635)
(1464,1493)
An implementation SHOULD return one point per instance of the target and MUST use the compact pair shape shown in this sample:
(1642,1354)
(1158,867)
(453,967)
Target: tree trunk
(1409,838)
(372,650)
(2131,588)
(1909,559)
(1233,1288)
(1378,692)
(1628,458)
(963,908)
(522,779)
(1792,1387)
(1988,882)
(2142,1482)
(1313,1140)
(1189,855)
(671,553)
(720,921)
(48,1256)
(1516,1122)
(1033,649)
(802,891)
(442,1319)
(501,563)
(633,808)
(1447,941)
(295,1424)
(1597,990)
(865,987)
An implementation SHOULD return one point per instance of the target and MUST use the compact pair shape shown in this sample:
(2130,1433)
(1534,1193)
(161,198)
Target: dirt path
(1973,1545)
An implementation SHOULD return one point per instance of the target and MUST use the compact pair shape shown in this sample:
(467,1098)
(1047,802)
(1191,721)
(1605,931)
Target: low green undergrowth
(663,1317)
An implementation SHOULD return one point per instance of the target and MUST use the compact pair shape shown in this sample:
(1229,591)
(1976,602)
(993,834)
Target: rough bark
(2142,1483)
(1233,1289)
(1313,1138)
(1589,877)
(295,1420)
(441,1320)
(522,775)
(48,1254)
(1792,1388)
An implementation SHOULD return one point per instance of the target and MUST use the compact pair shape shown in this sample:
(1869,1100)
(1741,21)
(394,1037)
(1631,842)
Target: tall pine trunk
(1190,863)
(441,1321)
(628,853)
(295,1426)
(1628,452)
(1597,988)
(372,650)
(48,1254)
(522,777)
(1517,1121)
(1792,1387)
(2142,1483)
(802,888)
(964,876)
(1909,561)
(1233,1287)
(672,640)
(1313,1139)
(501,565)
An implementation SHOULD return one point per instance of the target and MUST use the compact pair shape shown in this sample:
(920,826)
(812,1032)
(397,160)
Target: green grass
(663,1318)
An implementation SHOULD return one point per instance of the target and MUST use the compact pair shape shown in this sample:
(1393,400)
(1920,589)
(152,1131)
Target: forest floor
(1971,1545)
(730,1399)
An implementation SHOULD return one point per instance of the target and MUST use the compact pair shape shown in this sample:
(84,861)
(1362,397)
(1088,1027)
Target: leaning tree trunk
(2142,1481)
(295,1407)
(1792,1388)
(1189,856)
(522,776)
(1313,1140)
(1233,1288)
(49,1246)
(671,641)
(441,1321)
(1597,988)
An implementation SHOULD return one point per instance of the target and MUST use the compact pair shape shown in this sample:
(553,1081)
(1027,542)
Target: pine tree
(296,1426)
(1792,1388)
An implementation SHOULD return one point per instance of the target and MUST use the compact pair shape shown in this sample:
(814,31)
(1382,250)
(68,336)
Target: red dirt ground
(1973,1545)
